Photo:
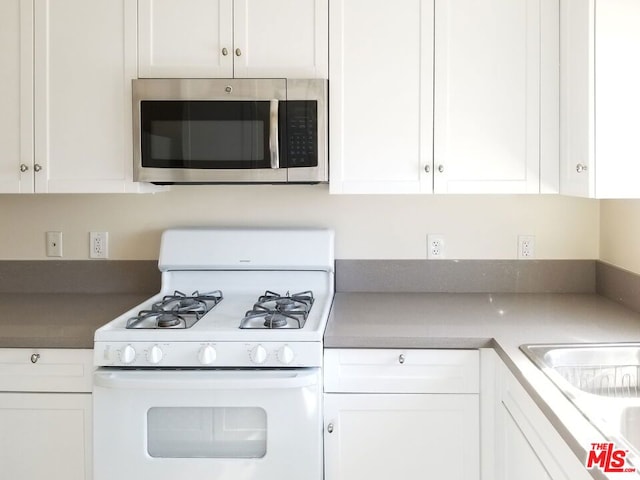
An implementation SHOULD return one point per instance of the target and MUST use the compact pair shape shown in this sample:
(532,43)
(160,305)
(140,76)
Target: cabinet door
(85,58)
(600,98)
(519,460)
(45,436)
(185,38)
(496,96)
(16,96)
(412,437)
(617,102)
(577,104)
(381,110)
(281,38)
(517,438)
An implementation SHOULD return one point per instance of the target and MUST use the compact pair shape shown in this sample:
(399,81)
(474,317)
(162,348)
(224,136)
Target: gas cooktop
(229,298)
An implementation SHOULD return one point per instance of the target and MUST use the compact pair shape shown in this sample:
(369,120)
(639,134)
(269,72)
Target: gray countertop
(501,321)
(59,320)
(474,320)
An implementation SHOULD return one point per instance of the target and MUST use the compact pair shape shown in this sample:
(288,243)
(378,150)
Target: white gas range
(229,298)
(206,378)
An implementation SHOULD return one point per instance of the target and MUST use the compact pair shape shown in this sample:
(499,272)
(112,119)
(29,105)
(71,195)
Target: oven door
(207,424)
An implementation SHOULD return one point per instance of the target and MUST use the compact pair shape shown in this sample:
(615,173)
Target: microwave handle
(274,148)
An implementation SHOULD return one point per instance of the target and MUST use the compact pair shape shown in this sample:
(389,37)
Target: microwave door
(210,141)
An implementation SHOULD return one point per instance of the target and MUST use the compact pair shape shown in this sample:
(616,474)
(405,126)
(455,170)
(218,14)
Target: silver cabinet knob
(37,168)
(580,167)
(238,52)
(225,52)
(228,89)
(427,168)
(35,357)
(330,428)
(401,358)
(441,168)
(23,167)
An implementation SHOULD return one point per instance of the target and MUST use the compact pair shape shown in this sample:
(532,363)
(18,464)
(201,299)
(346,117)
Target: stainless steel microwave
(230,131)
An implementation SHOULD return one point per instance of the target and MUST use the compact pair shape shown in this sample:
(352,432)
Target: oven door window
(206,432)
(205,134)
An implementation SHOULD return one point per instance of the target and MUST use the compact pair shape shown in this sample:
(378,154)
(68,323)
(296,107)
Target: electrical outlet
(99,245)
(435,246)
(54,244)
(526,247)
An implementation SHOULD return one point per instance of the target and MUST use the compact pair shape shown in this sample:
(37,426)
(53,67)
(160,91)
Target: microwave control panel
(302,133)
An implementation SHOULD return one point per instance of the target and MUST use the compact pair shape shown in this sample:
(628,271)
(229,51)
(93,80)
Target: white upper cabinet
(185,38)
(85,58)
(381,101)
(496,96)
(65,125)
(600,98)
(233,38)
(277,38)
(444,96)
(16,96)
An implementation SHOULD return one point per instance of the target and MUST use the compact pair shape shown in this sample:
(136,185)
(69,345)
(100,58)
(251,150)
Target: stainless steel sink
(603,382)
(608,370)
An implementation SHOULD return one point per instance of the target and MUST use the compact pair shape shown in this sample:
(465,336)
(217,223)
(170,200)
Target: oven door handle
(274,147)
(206,379)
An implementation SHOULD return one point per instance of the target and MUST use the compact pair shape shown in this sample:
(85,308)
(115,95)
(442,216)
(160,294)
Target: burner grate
(273,310)
(176,311)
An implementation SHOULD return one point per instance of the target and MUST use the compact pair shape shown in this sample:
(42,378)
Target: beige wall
(373,227)
(620,233)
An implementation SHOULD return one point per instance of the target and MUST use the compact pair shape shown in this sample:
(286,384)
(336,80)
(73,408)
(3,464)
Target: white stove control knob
(258,354)
(285,354)
(207,355)
(154,355)
(127,354)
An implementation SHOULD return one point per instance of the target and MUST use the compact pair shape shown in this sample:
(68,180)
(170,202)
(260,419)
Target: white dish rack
(620,381)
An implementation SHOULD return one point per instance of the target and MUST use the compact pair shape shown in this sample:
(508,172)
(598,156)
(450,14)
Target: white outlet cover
(99,245)
(526,247)
(435,246)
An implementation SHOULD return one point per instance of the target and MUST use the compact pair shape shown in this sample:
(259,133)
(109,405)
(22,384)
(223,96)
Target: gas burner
(161,319)
(166,320)
(176,311)
(285,304)
(279,311)
(275,320)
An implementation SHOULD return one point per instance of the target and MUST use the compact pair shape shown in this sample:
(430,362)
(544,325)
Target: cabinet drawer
(45,370)
(401,371)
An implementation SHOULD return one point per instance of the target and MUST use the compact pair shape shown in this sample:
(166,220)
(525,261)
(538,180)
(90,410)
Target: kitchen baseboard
(466,276)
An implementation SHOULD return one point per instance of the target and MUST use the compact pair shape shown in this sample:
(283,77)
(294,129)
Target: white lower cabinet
(518,440)
(45,414)
(409,414)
